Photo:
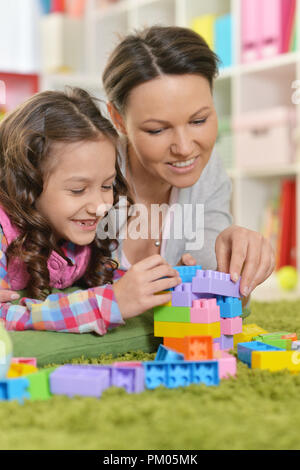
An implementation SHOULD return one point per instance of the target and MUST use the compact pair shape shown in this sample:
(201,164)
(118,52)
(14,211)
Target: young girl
(57,171)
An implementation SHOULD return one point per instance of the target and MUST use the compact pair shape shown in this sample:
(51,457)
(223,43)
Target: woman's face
(171,125)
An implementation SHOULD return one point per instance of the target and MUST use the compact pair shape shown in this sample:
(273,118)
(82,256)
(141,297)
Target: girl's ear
(116,118)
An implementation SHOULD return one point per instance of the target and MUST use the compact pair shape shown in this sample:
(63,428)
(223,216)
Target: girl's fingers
(149,263)
(187,260)
(8,295)
(160,272)
(160,299)
(162,284)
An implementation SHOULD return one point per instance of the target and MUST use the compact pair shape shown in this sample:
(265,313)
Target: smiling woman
(159,84)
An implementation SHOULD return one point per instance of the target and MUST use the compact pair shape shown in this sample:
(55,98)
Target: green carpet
(257,410)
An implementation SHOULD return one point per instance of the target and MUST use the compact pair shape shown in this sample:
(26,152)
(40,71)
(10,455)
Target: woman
(159,85)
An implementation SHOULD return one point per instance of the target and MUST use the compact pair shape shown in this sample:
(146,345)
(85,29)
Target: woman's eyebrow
(204,108)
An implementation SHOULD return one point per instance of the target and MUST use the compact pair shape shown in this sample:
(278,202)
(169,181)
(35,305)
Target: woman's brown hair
(152,52)
(26,136)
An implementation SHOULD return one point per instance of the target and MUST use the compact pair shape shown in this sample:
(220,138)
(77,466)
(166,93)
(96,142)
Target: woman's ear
(116,118)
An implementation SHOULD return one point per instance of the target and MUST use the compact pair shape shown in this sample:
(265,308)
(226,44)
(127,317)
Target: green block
(279,343)
(271,336)
(39,387)
(172,314)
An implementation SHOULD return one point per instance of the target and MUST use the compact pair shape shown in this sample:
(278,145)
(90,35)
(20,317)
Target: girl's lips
(184,169)
(86,224)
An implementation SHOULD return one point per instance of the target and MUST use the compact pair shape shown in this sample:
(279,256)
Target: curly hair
(26,137)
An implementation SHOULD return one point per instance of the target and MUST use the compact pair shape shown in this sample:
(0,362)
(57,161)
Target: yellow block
(179,329)
(204,26)
(247,334)
(276,360)
(17,370)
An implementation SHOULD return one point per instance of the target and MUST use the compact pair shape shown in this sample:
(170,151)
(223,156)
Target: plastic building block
(215,282)
(24,360)
(226,342)
(187,273)
(216,347)
(179,330)
(14,389)
(177,314)
(279,339)
(295,346)
(128,364)
(291,336)
(39,384)
(231,326)
(84,380)
(180,374)
(245,350)
(182,295)
(217,340)
(205,311)
(229,306)
(276,360)
(17,370)
(130,378)
(197,348)
(177,344)
(166,354)
(227,365)
(248,332)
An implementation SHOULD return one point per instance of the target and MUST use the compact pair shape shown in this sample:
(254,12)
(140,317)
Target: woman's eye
(155,131)
(200,121)
(108,188)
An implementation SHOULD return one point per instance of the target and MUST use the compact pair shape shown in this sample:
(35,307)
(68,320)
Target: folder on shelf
(250,33)
(286,248)
(223,39)
(288,15)
(204,26)
(271,33)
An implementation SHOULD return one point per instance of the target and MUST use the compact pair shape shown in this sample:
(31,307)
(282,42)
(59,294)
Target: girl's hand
(135,291)
(8,295)
(187,260)
(240,250)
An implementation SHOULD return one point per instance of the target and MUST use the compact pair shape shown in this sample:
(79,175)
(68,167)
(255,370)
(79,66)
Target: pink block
(216,347)
(127,364)
(205,311)
(227,365)
(231,326)
(24,360)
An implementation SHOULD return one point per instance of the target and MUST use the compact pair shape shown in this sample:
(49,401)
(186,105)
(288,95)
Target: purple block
(215,282)
(130,378)
(226,342)
(85,380)
(182,295)
(217,340)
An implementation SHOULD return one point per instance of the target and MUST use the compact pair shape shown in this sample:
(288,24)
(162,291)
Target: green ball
(287,277)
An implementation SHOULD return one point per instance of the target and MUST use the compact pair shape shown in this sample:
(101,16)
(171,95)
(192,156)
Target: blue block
(187,272)
(230,307)
(181,373)
(167,355)
(14,389)
(244,350)
(223,39)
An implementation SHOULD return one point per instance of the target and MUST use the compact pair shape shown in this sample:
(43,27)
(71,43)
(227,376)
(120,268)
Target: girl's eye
(76,191)
(199,121)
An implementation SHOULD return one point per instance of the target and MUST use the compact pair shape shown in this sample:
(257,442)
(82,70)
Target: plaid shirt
(82,311)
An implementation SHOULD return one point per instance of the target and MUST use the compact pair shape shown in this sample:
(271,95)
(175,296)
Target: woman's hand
(8,295)
(240,251)
(136,291)
(187,260)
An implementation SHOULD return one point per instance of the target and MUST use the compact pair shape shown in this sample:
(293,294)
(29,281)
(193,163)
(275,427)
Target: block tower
(206,303)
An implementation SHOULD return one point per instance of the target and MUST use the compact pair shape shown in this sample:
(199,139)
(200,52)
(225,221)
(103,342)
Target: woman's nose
(182,145)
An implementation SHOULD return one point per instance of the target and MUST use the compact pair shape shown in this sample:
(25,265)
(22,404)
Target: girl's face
(79,180)
(171,124)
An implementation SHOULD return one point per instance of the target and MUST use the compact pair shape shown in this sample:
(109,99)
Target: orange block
(292,336)
(194,348)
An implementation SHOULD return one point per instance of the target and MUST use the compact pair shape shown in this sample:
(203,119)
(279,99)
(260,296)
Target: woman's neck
(145,186)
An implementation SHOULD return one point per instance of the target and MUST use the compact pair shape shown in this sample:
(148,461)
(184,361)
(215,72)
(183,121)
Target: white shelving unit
(240,88)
